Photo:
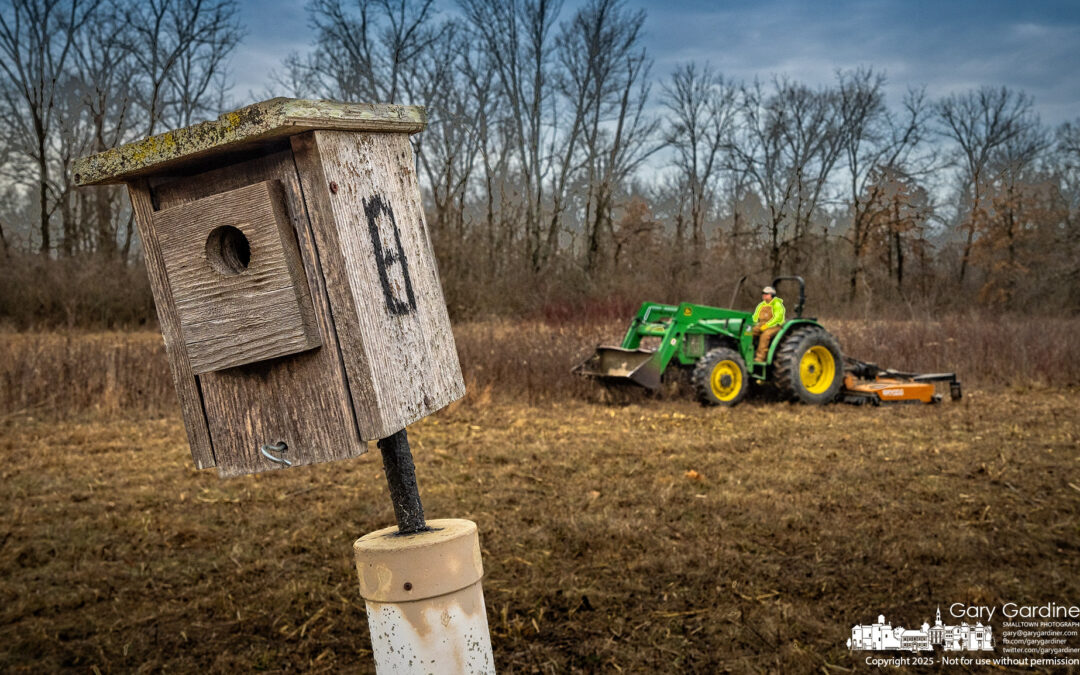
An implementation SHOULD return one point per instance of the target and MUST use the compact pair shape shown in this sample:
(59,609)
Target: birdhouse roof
(242,130)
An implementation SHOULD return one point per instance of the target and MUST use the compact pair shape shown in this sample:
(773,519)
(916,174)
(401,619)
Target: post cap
(404,568)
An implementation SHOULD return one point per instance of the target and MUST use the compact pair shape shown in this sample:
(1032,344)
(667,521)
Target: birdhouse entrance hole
(228,250)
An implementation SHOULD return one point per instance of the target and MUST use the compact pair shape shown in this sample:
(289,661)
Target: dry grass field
(651,537)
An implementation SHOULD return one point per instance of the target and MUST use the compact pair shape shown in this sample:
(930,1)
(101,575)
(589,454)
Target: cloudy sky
(1032,45)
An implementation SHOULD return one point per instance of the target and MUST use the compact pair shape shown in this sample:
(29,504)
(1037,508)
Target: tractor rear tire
(809,366)
(720,377)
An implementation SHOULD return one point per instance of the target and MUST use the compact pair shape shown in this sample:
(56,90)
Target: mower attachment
(616,364)
(867,383)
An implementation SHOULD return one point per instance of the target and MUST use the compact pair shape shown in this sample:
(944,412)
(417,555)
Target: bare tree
(448,149)
(492,132)
(1023,202)
(199,81)
(980,122)
(605,75)
(702,107)
(874,139)
(71,139)
(180,49)
(812,136)
(757,149)
(366,50)
(896,218)
(103,71)
(36,38)
(788,143)
(635,233)
(516,39)
(1067,161)
(1067,139)
(1067,158)
(75,70)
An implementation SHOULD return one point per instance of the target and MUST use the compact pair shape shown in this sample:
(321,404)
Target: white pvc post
(425,604)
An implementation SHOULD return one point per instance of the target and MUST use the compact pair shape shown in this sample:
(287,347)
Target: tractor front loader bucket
(615,365)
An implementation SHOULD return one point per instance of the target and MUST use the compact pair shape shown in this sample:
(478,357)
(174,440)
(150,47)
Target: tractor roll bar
(802,292)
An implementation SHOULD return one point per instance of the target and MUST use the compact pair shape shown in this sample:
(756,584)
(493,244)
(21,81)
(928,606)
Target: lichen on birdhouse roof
(242,130)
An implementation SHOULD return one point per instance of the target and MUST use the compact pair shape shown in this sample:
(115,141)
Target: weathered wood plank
(303,399)
(246,128)
(397,345)
(237,279)
(187,387)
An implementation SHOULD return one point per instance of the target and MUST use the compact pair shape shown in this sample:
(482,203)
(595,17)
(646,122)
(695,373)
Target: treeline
(81,76)
(561,175)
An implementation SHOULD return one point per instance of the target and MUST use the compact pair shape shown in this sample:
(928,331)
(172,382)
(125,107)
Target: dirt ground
(651,537)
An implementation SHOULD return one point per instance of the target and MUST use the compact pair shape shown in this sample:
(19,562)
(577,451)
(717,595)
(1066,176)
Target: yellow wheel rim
(726,380)
(817,369)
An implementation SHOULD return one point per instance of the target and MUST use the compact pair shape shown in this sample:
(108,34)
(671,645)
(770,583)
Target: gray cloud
(946,46)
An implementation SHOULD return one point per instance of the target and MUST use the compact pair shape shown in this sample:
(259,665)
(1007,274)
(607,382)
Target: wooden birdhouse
(295,282)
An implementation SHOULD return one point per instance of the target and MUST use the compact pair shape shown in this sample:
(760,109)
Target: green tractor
(804,360)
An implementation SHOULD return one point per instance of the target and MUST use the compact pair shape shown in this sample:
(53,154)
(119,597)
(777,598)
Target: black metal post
(401,475)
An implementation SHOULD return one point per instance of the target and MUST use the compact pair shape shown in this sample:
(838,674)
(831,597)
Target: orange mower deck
(865,383)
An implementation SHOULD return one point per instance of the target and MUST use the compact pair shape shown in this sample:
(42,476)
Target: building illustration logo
(883,636)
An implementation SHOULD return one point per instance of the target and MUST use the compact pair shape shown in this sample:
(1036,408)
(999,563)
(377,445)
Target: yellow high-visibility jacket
(777,307)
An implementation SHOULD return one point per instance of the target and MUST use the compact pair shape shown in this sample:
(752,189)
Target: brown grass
(79,372)
(80,291)
(658,536)
(530,361)
(643,538)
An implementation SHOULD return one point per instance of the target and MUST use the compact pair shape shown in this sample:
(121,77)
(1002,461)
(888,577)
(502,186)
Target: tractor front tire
(720,377)
(809,366)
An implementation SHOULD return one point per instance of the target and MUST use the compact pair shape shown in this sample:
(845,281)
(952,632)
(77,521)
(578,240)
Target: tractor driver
(768,318)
